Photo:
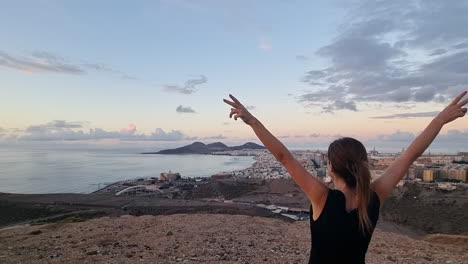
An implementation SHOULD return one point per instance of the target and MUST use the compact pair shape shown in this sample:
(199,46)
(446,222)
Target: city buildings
(427,168)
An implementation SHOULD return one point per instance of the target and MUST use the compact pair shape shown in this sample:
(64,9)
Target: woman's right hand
(454,110)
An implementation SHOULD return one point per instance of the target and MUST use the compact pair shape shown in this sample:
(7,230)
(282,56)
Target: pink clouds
(130,129)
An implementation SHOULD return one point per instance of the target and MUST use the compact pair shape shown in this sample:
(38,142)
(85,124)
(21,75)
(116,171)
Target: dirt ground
(203,238)
(427,208)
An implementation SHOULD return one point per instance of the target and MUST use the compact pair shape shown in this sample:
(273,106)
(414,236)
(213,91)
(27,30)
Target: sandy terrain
(202,238)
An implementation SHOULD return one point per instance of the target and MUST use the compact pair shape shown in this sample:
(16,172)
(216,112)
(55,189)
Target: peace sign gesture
(239,110)
(454,110)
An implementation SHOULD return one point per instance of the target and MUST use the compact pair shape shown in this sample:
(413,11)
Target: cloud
(302,58)
(452,141)
(130,129)
(452,136)
(174,135)
(264,44)
(182,109)
(46,62)
(250,107)
(106,69)
(378,56)
(407,115)
(460,46)
(60,130)
(39,63)
(188,88)
(397,136)
(438,52)
(314,135)
(55,125)
(214,137)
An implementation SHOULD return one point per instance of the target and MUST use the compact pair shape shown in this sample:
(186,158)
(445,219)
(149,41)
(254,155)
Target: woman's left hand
(239,111)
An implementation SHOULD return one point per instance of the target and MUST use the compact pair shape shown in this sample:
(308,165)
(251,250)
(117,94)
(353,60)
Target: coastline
(263,188)
(416,217)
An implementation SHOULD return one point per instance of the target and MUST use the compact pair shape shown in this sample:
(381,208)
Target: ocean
(71,170)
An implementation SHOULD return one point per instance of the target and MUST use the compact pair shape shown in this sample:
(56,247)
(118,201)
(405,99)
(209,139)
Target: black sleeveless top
(336,237)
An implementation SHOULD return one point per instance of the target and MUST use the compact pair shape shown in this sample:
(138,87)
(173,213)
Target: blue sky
(311,70)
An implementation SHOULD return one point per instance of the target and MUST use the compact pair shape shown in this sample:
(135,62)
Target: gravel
(202,238)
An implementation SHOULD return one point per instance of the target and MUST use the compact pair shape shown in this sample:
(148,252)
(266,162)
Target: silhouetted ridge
(248,145)
(194,148)
(201,148)
(217,146)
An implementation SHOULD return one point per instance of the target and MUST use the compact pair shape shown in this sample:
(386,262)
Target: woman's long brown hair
(348,158)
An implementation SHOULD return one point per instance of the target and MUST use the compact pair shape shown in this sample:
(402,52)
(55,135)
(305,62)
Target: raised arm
(315,190)
(384,185)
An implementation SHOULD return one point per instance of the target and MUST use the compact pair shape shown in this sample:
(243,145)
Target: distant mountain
(248,145)
(201,148)
(217,146)
(194,148)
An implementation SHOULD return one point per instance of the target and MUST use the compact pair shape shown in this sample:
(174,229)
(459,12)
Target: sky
(155,72)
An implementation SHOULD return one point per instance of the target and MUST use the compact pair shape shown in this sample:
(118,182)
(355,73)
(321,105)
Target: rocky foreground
(203,238)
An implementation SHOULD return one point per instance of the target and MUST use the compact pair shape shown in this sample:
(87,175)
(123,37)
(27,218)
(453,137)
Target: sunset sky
(155,72)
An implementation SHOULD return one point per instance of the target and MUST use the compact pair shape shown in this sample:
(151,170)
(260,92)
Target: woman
(343,219)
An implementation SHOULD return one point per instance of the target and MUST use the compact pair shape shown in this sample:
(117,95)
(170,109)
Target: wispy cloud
(314,135)
(105,69)
(214,137)
(460,46)
(438,52)
(38,63)
(46,62)
(407,115)
(264,44)
(302,58)
(189,87)
(55,126)
(3,132)
(182,109)
(378,56)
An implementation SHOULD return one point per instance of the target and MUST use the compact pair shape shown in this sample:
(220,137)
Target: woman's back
(336,236)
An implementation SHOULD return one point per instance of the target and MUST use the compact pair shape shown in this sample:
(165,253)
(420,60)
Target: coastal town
(441,170)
